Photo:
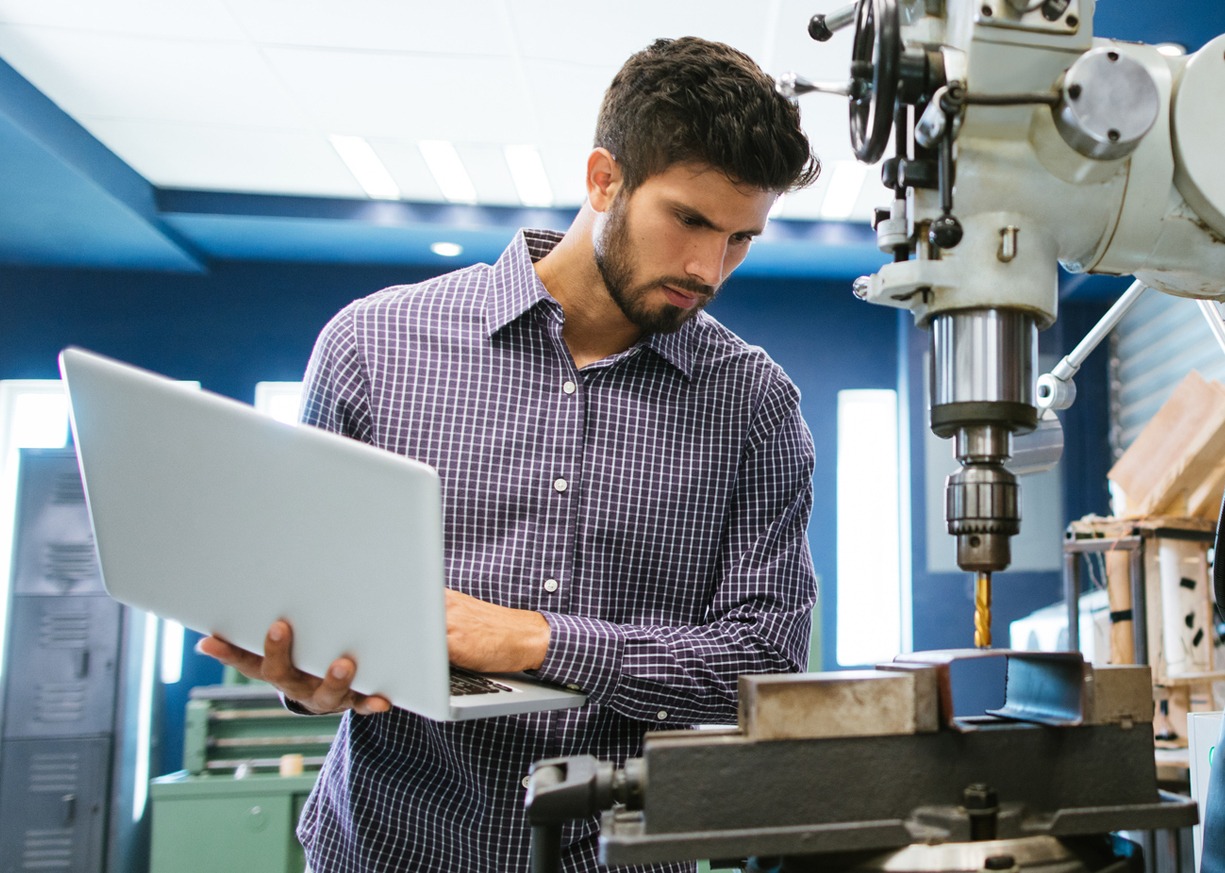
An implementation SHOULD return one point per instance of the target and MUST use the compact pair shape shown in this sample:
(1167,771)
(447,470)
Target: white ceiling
(242,95)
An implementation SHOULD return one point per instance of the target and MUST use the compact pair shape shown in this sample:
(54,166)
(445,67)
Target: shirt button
(550,585)
(525,781)
(662,714)
(560,485)
(569,387)
(573,687)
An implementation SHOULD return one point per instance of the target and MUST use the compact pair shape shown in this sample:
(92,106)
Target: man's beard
(615,261)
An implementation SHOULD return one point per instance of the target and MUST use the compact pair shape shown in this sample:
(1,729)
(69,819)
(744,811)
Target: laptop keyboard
(471,683)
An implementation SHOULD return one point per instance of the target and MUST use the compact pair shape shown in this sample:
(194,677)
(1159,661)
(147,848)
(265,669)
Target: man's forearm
(494,639)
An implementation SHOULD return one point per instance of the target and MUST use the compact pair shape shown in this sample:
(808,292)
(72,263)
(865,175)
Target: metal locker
(54,550)
(67,648)
(53,802)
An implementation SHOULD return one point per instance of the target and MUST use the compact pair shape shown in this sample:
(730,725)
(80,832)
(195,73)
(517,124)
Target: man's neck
(595,326)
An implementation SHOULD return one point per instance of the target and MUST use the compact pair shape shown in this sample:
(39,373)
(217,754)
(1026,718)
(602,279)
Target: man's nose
(707,260)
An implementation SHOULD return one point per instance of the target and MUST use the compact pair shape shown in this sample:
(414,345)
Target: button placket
(561,505)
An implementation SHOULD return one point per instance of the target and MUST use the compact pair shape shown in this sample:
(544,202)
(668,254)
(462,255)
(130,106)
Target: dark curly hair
(692,100)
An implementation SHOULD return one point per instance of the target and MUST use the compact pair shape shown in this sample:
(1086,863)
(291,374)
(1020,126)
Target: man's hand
(494,639)
(329,694)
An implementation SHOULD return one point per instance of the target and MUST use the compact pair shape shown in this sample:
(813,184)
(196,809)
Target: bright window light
(366,167)
(447,249)
(869,566)
(172,652)
(279,399)
(144,713)
(448,171)
(527,170)
(845,183)
(33,415)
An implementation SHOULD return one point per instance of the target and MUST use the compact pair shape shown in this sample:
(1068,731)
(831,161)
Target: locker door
(54,551)
(62,661)
(52,805)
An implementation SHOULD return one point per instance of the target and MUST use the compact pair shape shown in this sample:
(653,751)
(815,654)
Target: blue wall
(246,322)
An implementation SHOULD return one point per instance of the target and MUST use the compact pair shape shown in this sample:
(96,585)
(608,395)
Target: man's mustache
(690,285)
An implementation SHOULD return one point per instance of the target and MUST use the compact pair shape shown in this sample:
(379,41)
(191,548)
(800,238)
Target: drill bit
(982,609)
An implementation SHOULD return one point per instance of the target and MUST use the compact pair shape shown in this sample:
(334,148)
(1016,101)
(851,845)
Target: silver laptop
(224,519)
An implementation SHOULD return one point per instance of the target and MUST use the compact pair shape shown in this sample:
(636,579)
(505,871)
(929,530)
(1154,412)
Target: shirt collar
(516,288)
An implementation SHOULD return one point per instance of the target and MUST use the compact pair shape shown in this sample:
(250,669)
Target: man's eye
(689,221)
(741,239)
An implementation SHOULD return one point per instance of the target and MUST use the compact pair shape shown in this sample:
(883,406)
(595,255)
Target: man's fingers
(369,704)
(247,663)
(333,693)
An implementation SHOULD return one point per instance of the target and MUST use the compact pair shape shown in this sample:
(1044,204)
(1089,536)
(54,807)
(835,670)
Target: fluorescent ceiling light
(1171,49)
(448,171)
(528,172)
(366,167)
(845,183)
(447,249)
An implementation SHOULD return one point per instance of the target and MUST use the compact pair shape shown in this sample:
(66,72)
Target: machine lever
(792,85)
(1056,390)
(1216,324)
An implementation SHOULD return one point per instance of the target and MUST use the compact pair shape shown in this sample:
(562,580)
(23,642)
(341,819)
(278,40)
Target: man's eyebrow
(706,222)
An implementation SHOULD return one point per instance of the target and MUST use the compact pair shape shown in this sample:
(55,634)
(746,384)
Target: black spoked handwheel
(874,77)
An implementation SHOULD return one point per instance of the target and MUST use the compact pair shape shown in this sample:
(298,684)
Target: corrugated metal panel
(1156,344)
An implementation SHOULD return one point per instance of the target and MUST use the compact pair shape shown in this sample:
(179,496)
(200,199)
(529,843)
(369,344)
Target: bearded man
(626,483)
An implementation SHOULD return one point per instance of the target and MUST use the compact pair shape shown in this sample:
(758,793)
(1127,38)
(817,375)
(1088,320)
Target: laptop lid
(224,519)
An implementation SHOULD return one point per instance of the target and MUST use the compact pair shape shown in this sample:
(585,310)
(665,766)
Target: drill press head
(982,389)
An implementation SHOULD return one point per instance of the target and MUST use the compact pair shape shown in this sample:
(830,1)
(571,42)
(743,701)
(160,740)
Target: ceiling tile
(566,166)
(385,25)
(567,97)
(403,160)
(209,157)
(606,36)
(102,75)
(413,97)
(185,19)
(490,174)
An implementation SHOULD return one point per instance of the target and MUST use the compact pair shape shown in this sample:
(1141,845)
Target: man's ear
(603,179)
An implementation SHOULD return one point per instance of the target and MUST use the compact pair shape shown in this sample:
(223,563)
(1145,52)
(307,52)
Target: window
(871,601)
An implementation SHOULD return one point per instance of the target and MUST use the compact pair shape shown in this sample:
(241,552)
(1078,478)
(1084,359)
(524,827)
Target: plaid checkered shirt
(662,494)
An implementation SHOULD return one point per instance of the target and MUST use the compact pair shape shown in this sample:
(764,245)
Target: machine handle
(822,27)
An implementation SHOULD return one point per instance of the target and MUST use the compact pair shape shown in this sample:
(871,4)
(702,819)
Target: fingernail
(200,646)
(275,633)
(339,671)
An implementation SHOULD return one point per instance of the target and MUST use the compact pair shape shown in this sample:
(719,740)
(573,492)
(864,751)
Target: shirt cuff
(584,652)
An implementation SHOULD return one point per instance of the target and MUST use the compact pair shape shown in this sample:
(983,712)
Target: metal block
(852,703)
(1120,694)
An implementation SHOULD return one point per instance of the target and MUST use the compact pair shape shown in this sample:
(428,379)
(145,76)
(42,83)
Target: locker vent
(69,564)
(54,772)
(47,849)
(64,630)
(60,701)
(68,489)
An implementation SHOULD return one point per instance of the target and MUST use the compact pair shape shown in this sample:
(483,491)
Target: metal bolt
(979,797)
(860,287)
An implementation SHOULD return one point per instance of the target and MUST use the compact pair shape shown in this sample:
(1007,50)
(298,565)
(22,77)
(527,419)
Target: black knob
(945,232)
(818,29)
